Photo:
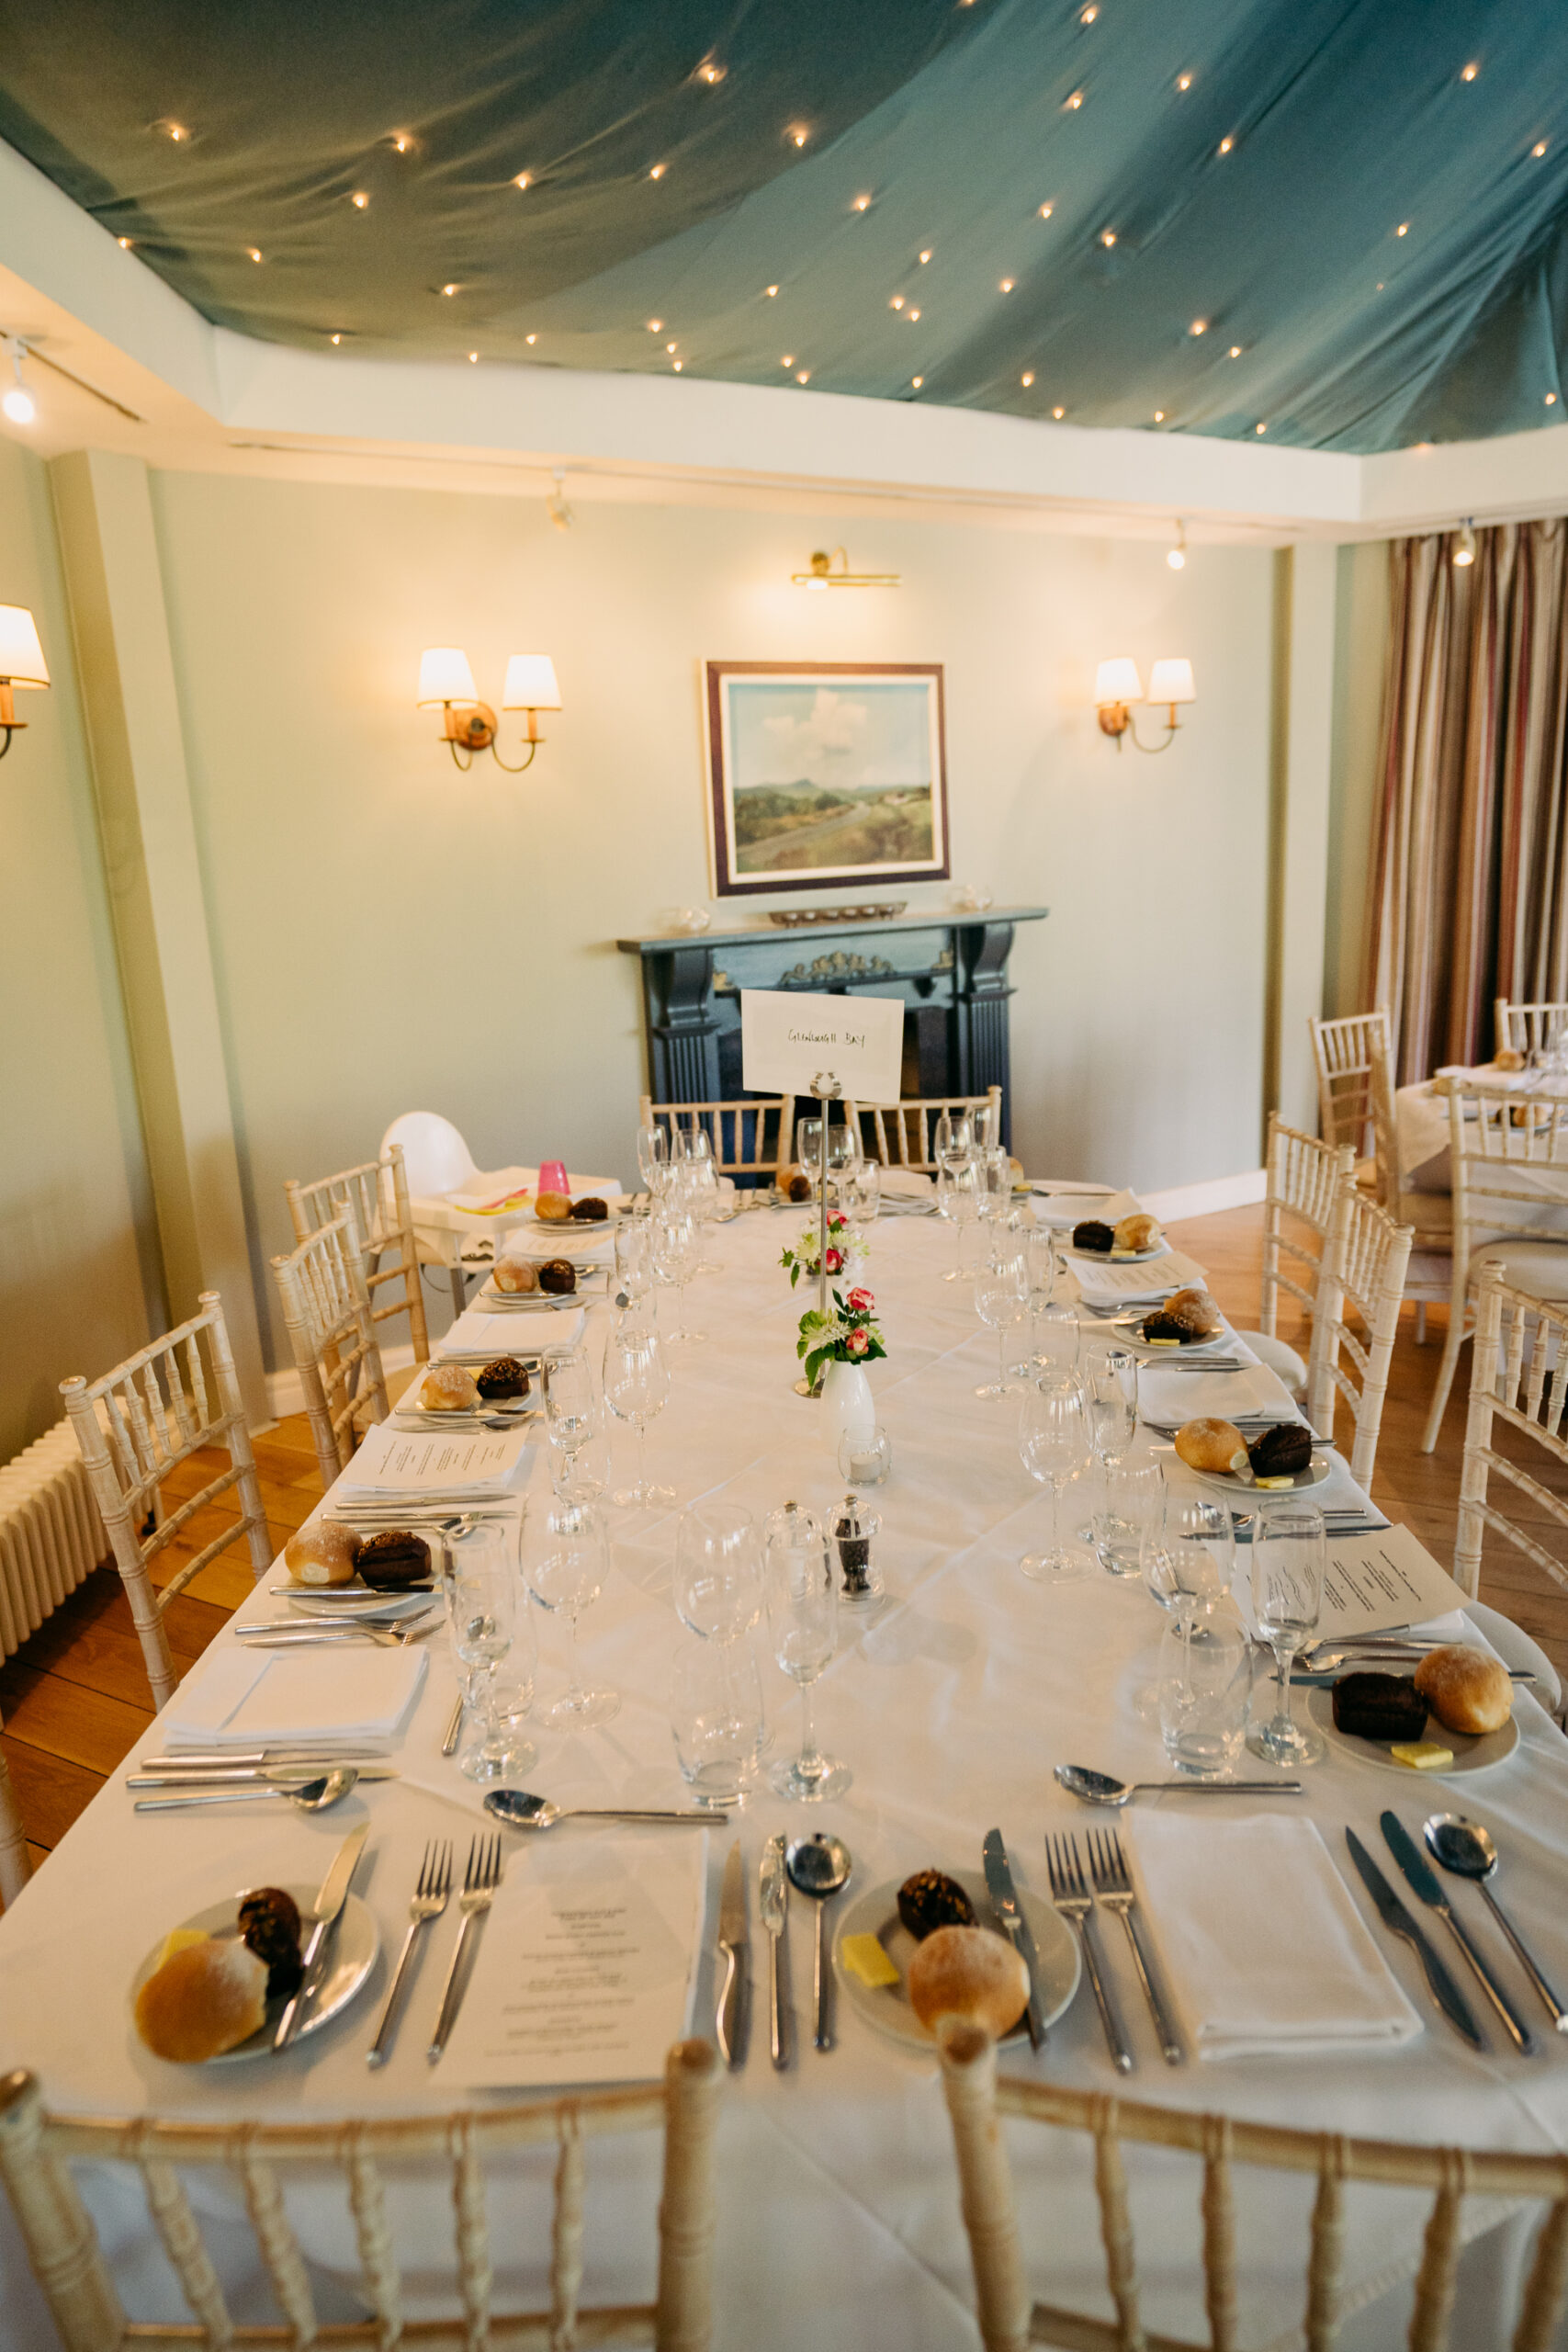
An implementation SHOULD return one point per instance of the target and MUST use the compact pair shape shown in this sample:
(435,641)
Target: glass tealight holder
(855,1530)
(865,1456)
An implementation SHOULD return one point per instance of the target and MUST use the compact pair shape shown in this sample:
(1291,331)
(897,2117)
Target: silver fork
(480,1880)
(1074,1901)
(1113,1885)
(429,1900)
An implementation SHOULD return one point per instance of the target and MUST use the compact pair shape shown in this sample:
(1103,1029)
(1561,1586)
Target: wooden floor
(74,1699)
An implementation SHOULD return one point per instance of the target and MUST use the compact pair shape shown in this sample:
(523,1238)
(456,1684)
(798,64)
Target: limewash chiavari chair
(1343,1053)
(377,1192)
(1518,1375)
(68,2260)
(1363,1278)
(1529,1028)
(15,1868)
(1506,1136)
(1009,2320)
(1298,1218)
(749,1138)
(135,1427)
(901,1134)
(326,1310)
(1428,1274)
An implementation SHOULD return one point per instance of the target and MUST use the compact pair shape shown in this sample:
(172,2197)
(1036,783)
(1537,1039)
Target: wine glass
(580,1474)
(1188,1554)
(634,1257)
(481,1606)
(863,1195)
(637,1386)
(1053,1445)
(802,1596)
(1287,1598)
(1000,1293)
(1055,1341)
(700,1199)
(653,1155)
(675,1246)
(1110,1386)
(718,1583)
(568,1561)
(958,1201)
(571,1413)
(994,1182)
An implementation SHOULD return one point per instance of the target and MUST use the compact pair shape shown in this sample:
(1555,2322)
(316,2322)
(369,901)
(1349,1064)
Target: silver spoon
(520,1810)
(1463,1847)
(1099,1788)
(310,1796)
(819,1866)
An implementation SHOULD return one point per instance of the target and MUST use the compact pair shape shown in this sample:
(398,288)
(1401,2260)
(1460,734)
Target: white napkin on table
(1264,1949)
(1220,1396)
(477,1333)
(242,1698)
(906,1183)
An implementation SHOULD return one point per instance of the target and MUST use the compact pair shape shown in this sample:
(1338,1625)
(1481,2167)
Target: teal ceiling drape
(1094,181)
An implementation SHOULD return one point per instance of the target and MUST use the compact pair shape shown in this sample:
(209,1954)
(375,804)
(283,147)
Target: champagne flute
(802,1596)
(481,1605)
(1287,1599)
(1111,1385)
(634,1257)
(568,1561)
(998,1302)
(1053,1444)
(959,1202)
(653,1154)
(675,1246)
(637,1386)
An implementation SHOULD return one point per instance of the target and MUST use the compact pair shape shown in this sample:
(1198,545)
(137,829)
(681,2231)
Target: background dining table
(950,1700)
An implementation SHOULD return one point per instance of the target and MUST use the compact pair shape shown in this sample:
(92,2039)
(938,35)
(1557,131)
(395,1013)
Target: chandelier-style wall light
(21,665)
(470,726)
(833,571)
(1117,686)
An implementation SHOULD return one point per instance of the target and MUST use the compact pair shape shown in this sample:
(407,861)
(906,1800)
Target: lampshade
(1117,682)
(444,677)
(531,683)
(1171,681)
(21,655)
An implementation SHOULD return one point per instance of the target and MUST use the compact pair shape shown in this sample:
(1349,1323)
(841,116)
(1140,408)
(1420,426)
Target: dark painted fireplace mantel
(950,970)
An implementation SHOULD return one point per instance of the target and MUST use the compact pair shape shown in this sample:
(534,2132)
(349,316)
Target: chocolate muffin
(1378,1706)
(269,1925)
(590,1210)
(394,1558)
(1159,1326)
(1282,1451)
(1092,1236)
(931,1900)
(504,1377)
(558,1276)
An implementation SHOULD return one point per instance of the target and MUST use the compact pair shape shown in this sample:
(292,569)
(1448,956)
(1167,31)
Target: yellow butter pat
(1273,1482)
(864,1958)
(1162,1343)
(180,1940)
(1421,1755)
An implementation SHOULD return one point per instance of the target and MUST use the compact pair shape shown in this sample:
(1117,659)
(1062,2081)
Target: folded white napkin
(1264,1949)
(249,1699)
(905,1183)
(1220,1396)
(477,1333)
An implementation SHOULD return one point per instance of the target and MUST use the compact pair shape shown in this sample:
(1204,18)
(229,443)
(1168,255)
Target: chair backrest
(378,1194)
(1298,1215)
(1343,1053)
(326,1308)
(36,2150)
(749,1138)
(1008,2321)
(1510,1159)
(435,1158)
(136,1427)
(1359,1299)
(1530,1028)
(1518,1375)
(902,1135)
(15,1867)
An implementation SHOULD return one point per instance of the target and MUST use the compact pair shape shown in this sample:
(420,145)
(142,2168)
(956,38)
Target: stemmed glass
(634,1257)
(1287,1598)
(802,1599)
(1053,1445)
(1111,1385)
(637,1386)
(482,1607)
(1189,1554)
(569,1559)
(1000,1293)
(653,1156)
(994,1182)
(719,1572)
(958,1200)
(675,1244)
(570,1414)
(863,1195)
(696,1186)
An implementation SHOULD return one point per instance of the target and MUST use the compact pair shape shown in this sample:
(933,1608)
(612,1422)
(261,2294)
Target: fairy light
(1260,429)
(770,291)
(450,288)
(788,360)
(658,171)
(1027,378)
(679,365)
(802,375)
(524,179)
(473,358)
(1184,81)
(916,382)
(1470,72)
(359,200)
(1072,104)
(1087,16)
(1005,286)
(1403,230)
(1539,149)
(926,256)
(672,346)
(656,326)
(1235,351)
(335,339)
(1551,400)
(1199,326)
(175,131)
(530,338)
(1058,413)
(895,302)
(711,72)
(124,244)
(1227,143)
(254,252)
(1046,210)
(1108,238)
(1160,416)
(797,134)
(862,204)
(401,142)
(911,316)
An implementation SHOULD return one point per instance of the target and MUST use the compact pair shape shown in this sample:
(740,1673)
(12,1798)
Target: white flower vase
(847,1405)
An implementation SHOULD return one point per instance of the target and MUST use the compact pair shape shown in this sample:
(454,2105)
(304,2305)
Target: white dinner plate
(528,1302)
(1225,1482)
(356,1941)
(1130,1327)
(1118,1257)
(579,1224)
(1469,1755)
(358,1601)
(886,2007)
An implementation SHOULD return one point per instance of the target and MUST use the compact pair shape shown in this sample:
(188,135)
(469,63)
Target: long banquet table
(838,2221)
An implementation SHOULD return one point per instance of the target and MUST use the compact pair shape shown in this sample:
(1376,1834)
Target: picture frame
(825,774)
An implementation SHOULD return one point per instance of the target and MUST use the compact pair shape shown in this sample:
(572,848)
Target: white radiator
(51,1534)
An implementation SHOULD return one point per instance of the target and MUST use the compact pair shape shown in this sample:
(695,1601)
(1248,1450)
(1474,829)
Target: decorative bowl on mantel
(801,918)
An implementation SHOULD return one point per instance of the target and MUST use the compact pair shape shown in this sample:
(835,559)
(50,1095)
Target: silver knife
(328,1903)
(1015,1927)
(203,1759)
(1425,1880)
(1398,1922)
(773,1900)
(277,1776)
(732,1944)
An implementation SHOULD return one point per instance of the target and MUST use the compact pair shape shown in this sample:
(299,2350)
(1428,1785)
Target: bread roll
(1467,1690)
(795,1185)
(206,1999)
(448,1388)
(1211,1445)
(515,1275)
(321,1554)
(1508,1057)
(554,1207)
(971,1973)
(1138,1232)
(1193,1311)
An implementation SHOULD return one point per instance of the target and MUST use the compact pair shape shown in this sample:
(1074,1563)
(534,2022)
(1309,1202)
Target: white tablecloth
(838,2223)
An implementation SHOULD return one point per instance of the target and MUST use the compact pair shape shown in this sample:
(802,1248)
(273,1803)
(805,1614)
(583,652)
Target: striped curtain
(1471,900)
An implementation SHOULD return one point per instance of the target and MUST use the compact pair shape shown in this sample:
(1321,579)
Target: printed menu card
(584,1965)
(402,1462)
(1374,1583)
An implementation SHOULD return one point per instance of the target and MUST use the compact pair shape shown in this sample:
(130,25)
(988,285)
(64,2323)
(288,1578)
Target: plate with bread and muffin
(1278,1459)
(555,1210)
(213,1988)
(907,1954)
(458,1395)
(339,1571)
(1187,1319)
(1453,1715)
(1129,1242)
(535,1286)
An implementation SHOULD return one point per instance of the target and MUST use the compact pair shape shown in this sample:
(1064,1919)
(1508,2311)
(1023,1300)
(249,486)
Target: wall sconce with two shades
(469,725)
(21,665)
(1117,686)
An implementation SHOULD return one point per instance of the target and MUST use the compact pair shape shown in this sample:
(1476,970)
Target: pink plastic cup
(552,1176)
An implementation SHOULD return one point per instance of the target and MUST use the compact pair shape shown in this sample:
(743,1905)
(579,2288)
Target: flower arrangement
(848,1335)
(842,1246)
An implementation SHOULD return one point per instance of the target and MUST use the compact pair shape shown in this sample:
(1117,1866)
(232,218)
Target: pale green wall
(1361,657)
(79,1286)
(390,935)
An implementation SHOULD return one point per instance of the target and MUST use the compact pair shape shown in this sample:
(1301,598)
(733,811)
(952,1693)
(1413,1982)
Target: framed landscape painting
(825,773)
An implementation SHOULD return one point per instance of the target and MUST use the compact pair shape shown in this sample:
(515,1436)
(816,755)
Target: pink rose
(862,1301)
(835,1262)
(858,1343)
